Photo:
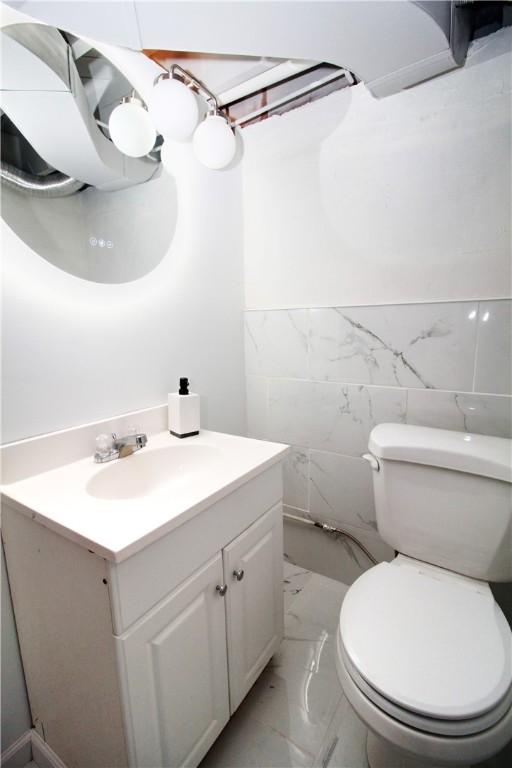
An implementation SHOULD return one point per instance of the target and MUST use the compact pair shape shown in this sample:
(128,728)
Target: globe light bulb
(174,109)
(131,129)
(214,142)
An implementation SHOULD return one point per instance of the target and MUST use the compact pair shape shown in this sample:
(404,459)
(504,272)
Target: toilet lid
(427,639)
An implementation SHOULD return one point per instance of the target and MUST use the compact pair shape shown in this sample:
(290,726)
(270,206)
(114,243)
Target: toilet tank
(445,497)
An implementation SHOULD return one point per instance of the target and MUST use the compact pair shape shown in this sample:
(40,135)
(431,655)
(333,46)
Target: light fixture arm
(214,140)
(189,79)
(133,98)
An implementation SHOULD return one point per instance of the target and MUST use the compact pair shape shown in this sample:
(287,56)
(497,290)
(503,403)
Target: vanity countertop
(118,508)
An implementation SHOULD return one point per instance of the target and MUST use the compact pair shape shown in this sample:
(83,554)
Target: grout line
(288,739)
(267,404)
(308,487)
(338,723)
(296,509)
(308,359)
(335,453)
(377,304)
(376,386)
(477,344)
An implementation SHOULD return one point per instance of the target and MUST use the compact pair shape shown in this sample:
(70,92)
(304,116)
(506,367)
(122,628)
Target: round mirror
(105,237)
(117,221)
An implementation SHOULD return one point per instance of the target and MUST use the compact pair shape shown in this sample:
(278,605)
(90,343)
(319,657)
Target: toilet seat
(429,646)
(441,727)
(426,748)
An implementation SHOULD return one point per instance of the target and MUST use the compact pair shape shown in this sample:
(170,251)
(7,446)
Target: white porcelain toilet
(424,653)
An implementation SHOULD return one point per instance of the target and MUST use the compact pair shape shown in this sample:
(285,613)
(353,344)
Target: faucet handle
(132,430)
(141,439)
(104,444)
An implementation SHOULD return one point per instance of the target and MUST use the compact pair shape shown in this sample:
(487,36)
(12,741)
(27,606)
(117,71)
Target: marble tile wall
(321,379)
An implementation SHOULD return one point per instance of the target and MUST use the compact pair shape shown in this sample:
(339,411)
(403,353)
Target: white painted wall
(76,351)
(351,200)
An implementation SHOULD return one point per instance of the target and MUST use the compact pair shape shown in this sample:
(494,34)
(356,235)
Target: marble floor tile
(309,655)
(290,570)
(294,581)
(296,715)
(247,743)
(316,610)
(347,747)
(297,703)
(299,691)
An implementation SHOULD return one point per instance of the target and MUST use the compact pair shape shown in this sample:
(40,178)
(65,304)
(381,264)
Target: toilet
(423,651)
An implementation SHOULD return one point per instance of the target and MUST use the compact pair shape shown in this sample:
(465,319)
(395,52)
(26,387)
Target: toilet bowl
(425,658)
(423,653)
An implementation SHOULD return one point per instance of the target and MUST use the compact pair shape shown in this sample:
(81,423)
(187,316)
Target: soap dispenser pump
(183,411)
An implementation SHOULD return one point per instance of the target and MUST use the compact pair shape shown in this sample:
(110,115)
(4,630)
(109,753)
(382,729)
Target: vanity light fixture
(174,108)
(131,128)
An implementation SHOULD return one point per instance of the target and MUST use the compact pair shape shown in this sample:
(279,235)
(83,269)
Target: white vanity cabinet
(190,661)
(253,565)
(175,670)
(142,662)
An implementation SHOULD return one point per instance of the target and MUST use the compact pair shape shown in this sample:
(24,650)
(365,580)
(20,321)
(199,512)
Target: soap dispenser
(183,411)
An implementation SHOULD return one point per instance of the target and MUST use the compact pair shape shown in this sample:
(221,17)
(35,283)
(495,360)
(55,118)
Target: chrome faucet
(110,447)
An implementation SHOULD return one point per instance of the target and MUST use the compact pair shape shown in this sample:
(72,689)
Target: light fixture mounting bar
(269,78)
(295,95)
(189,79)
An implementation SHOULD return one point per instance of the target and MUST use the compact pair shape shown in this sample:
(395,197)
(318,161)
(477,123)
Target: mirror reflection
(67,192)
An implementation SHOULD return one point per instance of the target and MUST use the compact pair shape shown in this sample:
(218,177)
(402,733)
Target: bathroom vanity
(148,595)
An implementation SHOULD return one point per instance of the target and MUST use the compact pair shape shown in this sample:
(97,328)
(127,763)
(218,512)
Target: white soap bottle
(183,411)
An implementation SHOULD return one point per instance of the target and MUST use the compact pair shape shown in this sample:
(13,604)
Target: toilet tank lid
(476,454)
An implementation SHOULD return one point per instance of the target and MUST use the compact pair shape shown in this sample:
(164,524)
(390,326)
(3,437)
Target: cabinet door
(174,671)
(253,570)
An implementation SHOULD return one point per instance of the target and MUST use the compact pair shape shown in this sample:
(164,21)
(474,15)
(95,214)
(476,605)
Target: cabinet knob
(239,574)
(222,589)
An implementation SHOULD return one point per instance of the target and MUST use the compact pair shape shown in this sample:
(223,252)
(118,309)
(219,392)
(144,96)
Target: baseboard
(19,753)
(30,746)
(42,754)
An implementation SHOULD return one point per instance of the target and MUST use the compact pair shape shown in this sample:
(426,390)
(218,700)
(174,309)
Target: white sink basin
(162,469)
(117,508)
